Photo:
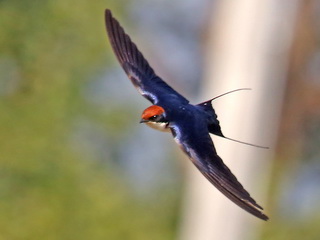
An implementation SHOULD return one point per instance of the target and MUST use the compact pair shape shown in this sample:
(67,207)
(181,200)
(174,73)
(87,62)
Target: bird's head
(154,116)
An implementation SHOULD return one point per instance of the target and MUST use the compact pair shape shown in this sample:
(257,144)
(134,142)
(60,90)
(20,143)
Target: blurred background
(75,163)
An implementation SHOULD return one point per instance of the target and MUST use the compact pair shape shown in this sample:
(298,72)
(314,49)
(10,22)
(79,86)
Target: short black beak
(143,121)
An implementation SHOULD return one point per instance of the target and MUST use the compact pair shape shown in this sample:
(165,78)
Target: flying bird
(189,124)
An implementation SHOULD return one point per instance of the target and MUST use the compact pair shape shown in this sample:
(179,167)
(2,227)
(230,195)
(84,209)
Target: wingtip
(108,15)
(252,207)
(260,214)
(264,217)
(107,11)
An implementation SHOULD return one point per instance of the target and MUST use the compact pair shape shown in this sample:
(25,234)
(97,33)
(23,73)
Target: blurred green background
(61,141)
(49,189)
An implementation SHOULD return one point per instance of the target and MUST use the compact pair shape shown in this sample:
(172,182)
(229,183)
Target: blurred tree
(296,200)
(48,48)
(277,44)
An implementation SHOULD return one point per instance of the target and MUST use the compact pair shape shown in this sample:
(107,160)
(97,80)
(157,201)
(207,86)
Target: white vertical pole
(247,47)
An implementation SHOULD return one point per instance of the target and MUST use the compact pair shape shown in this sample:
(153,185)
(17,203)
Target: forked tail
(250,144)
(214,125)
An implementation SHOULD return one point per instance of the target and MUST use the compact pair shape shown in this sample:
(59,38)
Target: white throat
(160,126)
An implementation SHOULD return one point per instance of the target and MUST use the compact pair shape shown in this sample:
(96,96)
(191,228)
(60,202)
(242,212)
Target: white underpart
(160,126)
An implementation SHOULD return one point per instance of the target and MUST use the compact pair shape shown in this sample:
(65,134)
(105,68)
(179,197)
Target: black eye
(154,117)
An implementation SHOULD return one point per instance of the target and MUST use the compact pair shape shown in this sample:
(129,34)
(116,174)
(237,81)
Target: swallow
(189,124)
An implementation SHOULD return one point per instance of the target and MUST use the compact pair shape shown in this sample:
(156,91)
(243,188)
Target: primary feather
(136,66)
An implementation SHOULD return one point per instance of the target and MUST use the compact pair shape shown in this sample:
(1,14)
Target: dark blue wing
(136,66)
(193,137)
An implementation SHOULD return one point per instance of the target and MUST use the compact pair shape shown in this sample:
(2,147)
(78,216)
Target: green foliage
(47,190)
(293,229)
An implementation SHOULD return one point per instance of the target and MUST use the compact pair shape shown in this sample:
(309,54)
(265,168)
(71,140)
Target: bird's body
(189,124)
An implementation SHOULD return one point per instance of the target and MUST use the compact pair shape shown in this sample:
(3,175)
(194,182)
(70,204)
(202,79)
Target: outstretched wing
(195,141)
(136,66)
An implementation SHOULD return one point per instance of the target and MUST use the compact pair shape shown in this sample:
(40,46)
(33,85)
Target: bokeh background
(75,163)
